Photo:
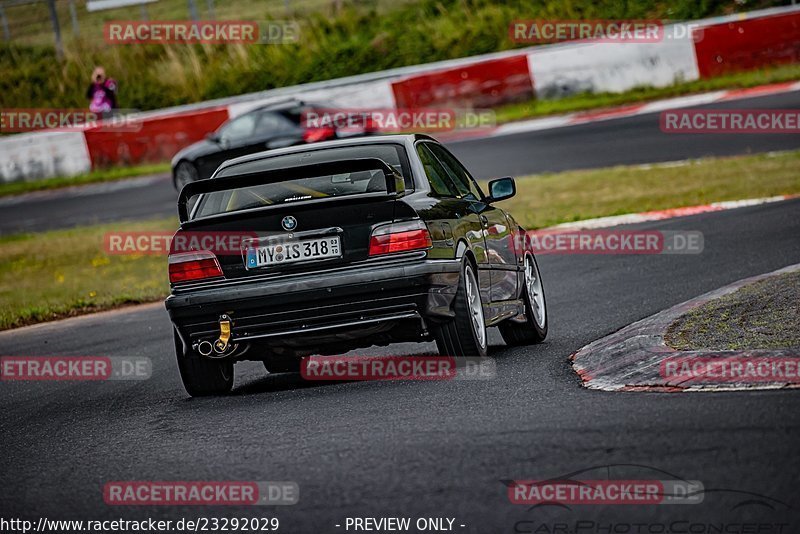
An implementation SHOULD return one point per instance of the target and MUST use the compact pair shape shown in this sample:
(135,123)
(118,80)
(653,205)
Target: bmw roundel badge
(289,223)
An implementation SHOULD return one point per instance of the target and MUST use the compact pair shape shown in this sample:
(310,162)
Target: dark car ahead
(276,125)
(345,245)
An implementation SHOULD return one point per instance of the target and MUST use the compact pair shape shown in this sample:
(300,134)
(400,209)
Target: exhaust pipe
(205,348)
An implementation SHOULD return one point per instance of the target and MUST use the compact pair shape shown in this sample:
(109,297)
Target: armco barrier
(368,95)
(748,44)
(482,84)
(39,155)
(585,67)
(158,139)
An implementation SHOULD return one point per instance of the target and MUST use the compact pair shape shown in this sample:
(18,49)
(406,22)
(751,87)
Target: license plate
(293,251)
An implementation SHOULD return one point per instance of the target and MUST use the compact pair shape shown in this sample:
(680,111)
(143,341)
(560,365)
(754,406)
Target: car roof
(402,139)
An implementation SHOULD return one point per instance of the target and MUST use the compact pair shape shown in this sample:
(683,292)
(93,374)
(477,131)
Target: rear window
(316,187)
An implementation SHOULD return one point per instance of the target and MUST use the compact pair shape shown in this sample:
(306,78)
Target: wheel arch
(463,250)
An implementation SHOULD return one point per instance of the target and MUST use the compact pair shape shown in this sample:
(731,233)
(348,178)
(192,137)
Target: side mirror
(213,137)
(502,189)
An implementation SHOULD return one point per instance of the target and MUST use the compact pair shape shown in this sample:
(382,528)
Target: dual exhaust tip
(205,348)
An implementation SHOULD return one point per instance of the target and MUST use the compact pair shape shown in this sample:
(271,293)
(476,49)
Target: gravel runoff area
(762,315)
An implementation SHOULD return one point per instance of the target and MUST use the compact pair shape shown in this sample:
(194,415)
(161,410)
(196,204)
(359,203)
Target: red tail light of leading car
(399,237)
(193,266)
(313,135)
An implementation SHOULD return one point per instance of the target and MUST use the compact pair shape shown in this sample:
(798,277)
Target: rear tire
(534,329)
(465,334)
(185,173)
(282,364)
(203,376)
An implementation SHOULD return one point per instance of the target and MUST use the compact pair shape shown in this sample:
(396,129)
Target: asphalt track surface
(631,140)
(426,449)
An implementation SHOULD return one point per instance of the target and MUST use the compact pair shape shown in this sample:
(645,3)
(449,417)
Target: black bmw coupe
(344,245)
(276,125)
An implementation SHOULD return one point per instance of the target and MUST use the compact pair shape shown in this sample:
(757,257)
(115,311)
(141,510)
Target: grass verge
(62,273)
(762,315)
(548,199)
(102,175)
(66,272)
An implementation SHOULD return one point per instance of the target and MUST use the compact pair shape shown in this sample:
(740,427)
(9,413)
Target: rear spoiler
(395,185)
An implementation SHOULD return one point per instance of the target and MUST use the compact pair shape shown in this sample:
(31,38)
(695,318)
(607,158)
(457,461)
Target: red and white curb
(585,117)
(631,358)
(660,215)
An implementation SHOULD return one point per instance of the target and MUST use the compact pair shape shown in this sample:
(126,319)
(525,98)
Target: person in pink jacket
(102,93)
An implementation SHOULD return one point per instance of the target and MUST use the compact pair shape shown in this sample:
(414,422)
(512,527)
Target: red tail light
(191,266)
(399,237)
(313,135)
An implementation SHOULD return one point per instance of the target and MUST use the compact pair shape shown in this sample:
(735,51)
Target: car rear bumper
(313,305)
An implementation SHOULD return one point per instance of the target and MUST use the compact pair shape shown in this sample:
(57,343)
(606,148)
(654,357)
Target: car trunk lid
(308,217)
